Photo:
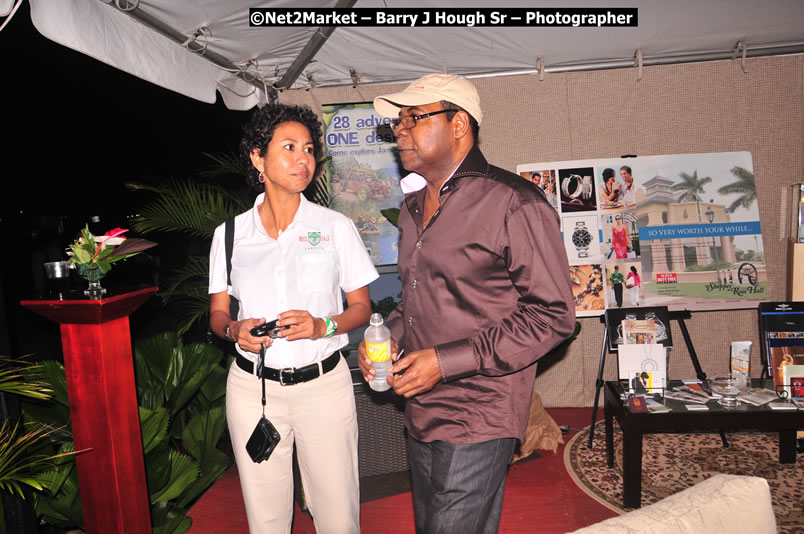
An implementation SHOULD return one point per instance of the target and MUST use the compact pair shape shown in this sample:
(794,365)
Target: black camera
(262,441)
(268,329)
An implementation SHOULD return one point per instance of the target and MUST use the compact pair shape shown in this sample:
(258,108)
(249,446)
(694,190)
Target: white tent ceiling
(153,39)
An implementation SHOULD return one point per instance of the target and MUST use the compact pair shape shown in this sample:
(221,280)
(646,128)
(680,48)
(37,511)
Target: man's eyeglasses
(410,120)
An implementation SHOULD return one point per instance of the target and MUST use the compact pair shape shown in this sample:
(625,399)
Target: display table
(96,341)
(634,425)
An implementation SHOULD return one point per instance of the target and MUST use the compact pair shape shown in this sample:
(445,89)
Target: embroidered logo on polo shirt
(313,238)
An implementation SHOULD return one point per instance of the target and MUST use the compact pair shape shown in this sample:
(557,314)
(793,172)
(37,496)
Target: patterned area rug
(673,462)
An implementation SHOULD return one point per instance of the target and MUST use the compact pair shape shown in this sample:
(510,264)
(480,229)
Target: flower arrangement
(93,255)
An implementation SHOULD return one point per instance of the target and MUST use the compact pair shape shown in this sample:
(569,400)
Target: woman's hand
(240,331)
(301,325)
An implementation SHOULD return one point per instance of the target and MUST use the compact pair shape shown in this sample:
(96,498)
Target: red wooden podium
(96,340)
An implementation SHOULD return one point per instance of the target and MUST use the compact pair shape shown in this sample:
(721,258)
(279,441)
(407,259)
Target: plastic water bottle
(378,348)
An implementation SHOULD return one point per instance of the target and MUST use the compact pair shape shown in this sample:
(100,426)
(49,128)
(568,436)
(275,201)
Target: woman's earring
(262,178)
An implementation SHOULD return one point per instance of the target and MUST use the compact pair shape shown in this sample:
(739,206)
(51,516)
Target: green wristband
(331,326)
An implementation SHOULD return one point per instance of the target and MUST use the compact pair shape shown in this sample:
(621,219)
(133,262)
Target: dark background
(75,132)
(77,129)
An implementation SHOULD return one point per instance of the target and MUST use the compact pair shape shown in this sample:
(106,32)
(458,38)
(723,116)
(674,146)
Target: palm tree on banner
(692,188)
(744,186)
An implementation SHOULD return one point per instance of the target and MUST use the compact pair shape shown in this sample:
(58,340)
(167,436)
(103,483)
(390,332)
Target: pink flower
(115,232)
(111,238)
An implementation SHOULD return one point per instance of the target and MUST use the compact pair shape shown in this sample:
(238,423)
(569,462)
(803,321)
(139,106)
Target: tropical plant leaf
(193,274)
(175,370)
(63,509)
(217,464)
(157,467)
(183,472)
(168,519)
(104,253)
(154,426)
(129,247)
(56,477)
(318,191)
(152,359)
(214,387)
(203,432)
(392,214)
(59,513)
(53,373)
(191,310)
(211,394)
(19,376)
(17,466)
(188,371)
(61,503)
(224,164)
(186,206)
(187,290)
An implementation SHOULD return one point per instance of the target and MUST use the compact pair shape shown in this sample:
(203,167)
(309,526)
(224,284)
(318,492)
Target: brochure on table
(643,366)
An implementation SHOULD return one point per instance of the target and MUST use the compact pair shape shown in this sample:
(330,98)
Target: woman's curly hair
(259,130)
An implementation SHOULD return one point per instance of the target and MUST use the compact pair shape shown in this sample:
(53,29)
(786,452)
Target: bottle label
(379,352)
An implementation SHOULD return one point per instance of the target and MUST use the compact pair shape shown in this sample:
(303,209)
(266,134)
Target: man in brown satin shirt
(485,293)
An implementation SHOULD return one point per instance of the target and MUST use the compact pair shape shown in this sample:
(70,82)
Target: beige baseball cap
(433,88)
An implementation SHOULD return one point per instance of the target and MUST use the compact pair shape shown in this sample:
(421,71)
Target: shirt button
(413,284)
(418,244)
(410,321)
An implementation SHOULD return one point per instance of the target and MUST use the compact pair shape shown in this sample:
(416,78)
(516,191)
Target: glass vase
(92,273)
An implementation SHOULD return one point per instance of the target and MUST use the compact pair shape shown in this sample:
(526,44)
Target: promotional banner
(680,231)
(363,174)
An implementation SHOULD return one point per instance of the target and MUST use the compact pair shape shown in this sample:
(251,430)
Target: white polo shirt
(305,268)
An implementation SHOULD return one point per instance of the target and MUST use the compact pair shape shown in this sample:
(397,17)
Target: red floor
(540,497)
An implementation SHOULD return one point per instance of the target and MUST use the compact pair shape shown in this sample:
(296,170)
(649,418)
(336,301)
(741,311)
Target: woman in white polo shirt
(290,261)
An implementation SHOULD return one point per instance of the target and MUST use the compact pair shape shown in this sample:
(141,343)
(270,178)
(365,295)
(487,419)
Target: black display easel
(699,373)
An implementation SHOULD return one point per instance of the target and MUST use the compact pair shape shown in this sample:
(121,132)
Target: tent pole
(701,57)
(312,47)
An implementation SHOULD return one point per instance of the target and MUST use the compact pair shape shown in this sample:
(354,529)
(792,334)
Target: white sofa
(723,503)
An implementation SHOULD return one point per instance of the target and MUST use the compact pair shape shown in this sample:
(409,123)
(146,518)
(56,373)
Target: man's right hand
(364,362)
(241,333)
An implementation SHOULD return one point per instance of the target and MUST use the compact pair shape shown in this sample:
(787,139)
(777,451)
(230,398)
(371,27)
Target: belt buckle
(290,371)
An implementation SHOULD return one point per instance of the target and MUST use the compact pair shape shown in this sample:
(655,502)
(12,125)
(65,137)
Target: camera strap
(228,240)
(261,374)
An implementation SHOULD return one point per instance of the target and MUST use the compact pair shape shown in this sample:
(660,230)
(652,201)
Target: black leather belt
(292,375)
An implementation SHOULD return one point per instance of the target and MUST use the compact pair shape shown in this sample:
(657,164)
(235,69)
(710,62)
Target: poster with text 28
(362,173)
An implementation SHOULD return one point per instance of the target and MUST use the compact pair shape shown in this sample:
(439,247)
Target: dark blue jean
(459,487)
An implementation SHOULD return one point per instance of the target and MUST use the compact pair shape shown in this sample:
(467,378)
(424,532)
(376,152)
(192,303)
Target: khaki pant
(320,416)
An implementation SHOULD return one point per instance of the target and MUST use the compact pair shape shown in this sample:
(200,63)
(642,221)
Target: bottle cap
(376,319)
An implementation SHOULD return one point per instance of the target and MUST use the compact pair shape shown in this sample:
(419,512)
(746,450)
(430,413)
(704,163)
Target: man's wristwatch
(227,331)
(581,238)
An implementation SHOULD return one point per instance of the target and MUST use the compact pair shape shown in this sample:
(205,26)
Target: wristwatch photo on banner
(581,238)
